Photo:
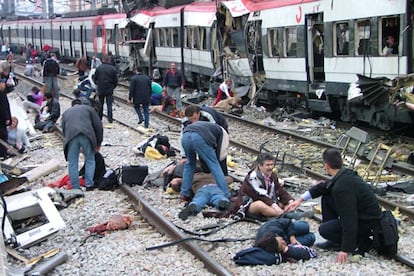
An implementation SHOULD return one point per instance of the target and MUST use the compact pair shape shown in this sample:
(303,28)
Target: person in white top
(95,62)
(225,88)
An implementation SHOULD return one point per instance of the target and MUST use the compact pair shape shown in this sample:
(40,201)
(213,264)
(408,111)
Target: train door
(61,39)
(70,41)
(82,40)
(254,46)
(315,48)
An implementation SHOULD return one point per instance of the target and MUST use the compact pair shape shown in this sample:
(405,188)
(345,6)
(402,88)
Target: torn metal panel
(28,205)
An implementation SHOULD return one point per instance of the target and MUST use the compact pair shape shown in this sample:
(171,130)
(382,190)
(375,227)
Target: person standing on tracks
(350,210)
(106,79)
(140,93)
(210,142)
(224,90)
(82,129)
(28,52)
(51,70)
(261,194)
(5,118)
(174,84)
(194,113)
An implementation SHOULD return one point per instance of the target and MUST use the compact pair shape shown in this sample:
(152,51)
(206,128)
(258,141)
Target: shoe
(328,245)
(190,210)
(185,198)
(140,122)
(240,215)
(297,215)
(91,188)
(223,205)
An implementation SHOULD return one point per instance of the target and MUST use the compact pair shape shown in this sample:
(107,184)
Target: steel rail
(165,226)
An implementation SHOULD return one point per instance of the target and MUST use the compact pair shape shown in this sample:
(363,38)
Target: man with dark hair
(51,70)
(261,194)
(53,107)
(194,113)
(82,129)
(350,210)
(207,140)
(106,79)
(140,94)
(5,118)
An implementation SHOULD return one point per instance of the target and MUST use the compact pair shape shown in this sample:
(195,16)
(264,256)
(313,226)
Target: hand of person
(129,101)
(342,257)
(293,205)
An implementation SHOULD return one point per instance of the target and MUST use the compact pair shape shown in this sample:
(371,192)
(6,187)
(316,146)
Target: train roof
(101,11)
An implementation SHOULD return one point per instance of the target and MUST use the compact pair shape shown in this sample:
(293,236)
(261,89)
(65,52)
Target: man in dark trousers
(5,118)
(194,113)
(51,70)
(207,140)
(174,84)
(82,129)
(106,79)
(350,210)
(140,94)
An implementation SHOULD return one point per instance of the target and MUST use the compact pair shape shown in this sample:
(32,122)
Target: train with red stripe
(71,35)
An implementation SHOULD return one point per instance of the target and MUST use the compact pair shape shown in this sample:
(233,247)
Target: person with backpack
(82,128)
(350,210)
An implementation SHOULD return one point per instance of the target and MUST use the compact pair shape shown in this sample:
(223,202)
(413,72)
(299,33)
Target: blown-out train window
(362,37)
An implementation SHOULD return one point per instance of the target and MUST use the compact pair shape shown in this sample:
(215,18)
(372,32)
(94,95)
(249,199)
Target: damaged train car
(294,54)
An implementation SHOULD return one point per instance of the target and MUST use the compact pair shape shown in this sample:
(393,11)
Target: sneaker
(239,215)
(140,122)
(223,205)
(190,210)
(91,188)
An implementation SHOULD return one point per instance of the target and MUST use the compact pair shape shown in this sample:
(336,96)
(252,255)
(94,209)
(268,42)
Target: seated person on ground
(17,136)
(206,192)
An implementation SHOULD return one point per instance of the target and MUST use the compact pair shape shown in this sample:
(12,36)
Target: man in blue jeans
(208,141)
(206,193)
(82,129)
(140,94)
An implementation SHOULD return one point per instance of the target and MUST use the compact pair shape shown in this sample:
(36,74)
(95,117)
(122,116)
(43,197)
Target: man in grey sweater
(82,129)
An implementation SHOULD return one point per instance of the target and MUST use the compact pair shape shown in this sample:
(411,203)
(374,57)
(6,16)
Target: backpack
(110,180)
(256,256)
(386,237)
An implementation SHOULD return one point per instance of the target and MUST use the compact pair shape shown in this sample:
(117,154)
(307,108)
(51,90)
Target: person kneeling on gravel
(207,192)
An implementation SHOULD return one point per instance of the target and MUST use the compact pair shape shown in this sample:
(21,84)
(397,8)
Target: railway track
(164,225)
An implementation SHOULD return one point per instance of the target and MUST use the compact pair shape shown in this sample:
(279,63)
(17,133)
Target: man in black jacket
(140,94)
(350,210)
(51,70)
(106,79)
(53,107)
(5,118)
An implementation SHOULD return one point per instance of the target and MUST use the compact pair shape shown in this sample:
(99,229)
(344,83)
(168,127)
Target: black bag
(134,175)
(386,237)
(110,180)
(30,99)
(256,256)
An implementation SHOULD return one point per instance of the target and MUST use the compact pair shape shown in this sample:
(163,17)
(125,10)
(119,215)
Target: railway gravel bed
(123,252)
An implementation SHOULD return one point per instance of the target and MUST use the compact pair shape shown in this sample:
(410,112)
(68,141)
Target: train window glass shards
(362,36)
(389,40)
(291,41)
(175,39)
(342,38)
(273,43)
